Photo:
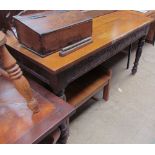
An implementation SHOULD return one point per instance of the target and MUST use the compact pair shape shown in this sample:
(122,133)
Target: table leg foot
(134,70)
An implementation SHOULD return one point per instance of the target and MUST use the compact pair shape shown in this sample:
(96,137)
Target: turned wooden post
(15,75)
(138,54)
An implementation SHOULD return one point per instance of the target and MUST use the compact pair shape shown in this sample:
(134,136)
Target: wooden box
(45,33)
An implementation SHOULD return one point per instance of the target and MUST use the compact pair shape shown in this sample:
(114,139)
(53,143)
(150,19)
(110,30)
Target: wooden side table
(28,124)
(19,125)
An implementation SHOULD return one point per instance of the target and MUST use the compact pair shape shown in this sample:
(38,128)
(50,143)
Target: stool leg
(106,92)
(129,53)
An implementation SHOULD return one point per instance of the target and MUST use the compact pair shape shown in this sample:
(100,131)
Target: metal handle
(37,16)
(68,49)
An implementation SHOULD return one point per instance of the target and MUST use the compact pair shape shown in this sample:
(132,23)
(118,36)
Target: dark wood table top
(19,125)
(107,29)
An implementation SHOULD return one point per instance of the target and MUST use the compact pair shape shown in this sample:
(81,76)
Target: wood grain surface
(107,29)
(17,122)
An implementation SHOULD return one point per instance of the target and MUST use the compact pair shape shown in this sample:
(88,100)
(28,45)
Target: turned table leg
(59,136)
(129,53)
(16,76)
(64,127)
(52,138)
(138,54)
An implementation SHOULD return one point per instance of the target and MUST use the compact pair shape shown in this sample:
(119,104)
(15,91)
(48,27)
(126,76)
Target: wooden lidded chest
(45,33)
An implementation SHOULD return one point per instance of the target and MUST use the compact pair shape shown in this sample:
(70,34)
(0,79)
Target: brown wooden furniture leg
(106,92)
(138,54)
(56,135)
(16,76)
(64,132)
(60,135)
(129,53)
(52,138)
(107,87)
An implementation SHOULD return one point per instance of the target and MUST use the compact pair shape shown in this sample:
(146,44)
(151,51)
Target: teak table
(111,34)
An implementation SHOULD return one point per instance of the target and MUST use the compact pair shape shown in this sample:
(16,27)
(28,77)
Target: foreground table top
(19,125)
(107,29)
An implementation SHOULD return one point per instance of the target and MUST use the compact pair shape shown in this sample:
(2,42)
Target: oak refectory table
(111,34)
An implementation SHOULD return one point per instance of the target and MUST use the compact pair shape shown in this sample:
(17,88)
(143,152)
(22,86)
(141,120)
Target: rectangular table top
(107,29)
(19,125)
